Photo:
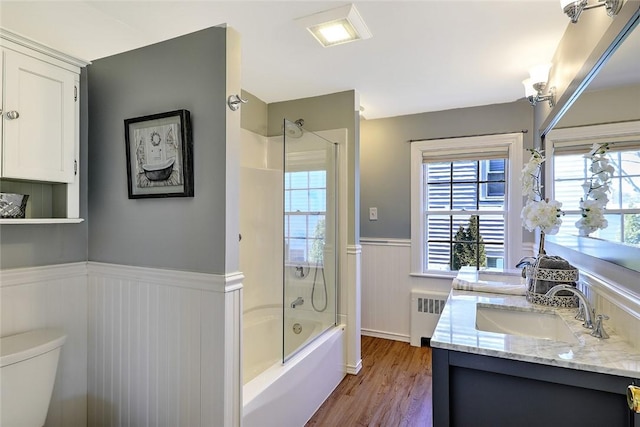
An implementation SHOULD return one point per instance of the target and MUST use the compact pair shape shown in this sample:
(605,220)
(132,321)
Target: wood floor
(393,389)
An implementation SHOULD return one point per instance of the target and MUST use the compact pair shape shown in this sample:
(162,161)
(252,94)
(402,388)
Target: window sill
(435,275)
(24,221)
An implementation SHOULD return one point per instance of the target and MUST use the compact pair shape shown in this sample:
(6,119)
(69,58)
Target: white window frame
(484,173)
(586,136)
(305,214)
(513,143)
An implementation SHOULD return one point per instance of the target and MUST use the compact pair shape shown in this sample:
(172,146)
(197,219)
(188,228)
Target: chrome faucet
(297,302)
(584,303)
(598,328)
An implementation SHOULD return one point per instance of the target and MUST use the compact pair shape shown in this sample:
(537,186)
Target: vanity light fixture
(573,8)
(336,26)
(535,85)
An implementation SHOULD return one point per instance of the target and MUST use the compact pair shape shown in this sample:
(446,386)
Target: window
(305,206)
(569,169)
(493,177)
(466,203)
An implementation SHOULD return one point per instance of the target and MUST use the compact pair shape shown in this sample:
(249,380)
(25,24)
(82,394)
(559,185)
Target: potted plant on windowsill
(539,213)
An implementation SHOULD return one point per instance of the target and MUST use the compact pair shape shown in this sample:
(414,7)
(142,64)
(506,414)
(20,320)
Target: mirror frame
(603,253)
(580,57)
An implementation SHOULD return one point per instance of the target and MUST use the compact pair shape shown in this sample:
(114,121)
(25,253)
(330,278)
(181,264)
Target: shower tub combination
(293,349)
(287,394)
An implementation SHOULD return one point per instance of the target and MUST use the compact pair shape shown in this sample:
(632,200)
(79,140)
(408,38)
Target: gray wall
(333,111)
(177,233)
(46,244)
(385,156)
(611,105)
(254,114)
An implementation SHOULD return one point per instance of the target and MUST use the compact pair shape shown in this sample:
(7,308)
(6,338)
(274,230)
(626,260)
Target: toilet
(28,364)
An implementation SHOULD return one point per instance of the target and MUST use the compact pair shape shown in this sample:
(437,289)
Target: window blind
(620,143)
(454,154)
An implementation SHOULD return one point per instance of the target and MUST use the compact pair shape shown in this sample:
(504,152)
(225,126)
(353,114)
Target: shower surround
(313,349)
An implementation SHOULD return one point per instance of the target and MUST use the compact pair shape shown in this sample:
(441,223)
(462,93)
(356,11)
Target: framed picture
(159,155)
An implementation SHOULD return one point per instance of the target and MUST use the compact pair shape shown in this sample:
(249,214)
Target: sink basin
(534,324)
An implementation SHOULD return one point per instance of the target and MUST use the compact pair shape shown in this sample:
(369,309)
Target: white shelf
(41,220)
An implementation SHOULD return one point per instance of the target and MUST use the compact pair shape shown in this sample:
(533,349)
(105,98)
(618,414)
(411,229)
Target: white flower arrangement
(596,190)
(538,212)
(544,214)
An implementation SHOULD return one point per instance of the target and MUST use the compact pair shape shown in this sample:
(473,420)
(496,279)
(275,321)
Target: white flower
(597,149)
(600,195)
(601,166)
(592,217)
(530,175)
(596,191)
(586,187)
(544,214)
(538,213)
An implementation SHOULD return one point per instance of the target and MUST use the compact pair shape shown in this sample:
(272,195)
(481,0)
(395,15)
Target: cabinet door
(39,143)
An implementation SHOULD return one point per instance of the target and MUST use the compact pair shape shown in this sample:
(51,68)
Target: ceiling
(423,56)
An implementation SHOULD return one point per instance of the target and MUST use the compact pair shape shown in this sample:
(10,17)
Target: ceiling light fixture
(336,26)
(535,85)
(573,8)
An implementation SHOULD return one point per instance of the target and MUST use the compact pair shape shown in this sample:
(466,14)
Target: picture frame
(159,155)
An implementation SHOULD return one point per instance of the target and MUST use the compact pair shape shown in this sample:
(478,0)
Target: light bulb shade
(573,8)
(565,3)
(539,74)
(529,91)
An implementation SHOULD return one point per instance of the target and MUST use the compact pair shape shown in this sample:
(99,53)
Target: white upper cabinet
(40,128)
(39,120)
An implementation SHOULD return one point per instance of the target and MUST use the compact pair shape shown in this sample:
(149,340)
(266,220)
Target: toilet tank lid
(19,347)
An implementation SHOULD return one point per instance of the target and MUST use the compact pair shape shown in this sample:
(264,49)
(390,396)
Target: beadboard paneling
(613,300)
(387,285)
(40,196)
(386,288)
(53,296)
(157,344)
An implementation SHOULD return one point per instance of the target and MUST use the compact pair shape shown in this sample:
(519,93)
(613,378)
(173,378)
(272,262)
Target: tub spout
(297,302)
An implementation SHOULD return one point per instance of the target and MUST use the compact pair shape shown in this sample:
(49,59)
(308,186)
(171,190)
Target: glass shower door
(310,237)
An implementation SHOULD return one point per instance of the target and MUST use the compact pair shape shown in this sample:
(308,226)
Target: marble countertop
(456,330)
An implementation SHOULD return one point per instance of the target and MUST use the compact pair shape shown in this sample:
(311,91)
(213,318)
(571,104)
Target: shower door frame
(337,137)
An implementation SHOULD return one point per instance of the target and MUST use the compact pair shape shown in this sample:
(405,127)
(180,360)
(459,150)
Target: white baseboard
(386,335)
(353,370)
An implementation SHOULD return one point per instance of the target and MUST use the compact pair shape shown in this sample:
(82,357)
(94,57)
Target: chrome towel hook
(234,101)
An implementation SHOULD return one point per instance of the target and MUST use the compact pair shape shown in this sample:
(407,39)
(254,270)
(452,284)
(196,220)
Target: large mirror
(607,111)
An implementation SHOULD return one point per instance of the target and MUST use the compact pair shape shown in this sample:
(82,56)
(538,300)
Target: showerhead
(294,129)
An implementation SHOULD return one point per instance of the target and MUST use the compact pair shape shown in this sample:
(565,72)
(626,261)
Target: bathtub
(277,394)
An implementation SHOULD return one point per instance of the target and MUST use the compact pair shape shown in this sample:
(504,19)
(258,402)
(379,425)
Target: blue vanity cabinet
(477,390)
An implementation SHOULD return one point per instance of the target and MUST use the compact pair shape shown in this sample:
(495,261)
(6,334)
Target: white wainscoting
(351,295)
(387,285)
(53,296)
(615,301)
(386,288)
(164,347)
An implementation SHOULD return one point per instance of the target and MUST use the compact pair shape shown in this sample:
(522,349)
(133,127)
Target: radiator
(426,307)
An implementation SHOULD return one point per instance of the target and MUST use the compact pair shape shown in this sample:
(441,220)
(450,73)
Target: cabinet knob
(633,398)
(12,115)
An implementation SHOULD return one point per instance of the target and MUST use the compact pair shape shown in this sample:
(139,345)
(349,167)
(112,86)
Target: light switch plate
(373,214)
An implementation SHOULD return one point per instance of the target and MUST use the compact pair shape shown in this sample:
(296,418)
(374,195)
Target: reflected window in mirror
(570,167)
